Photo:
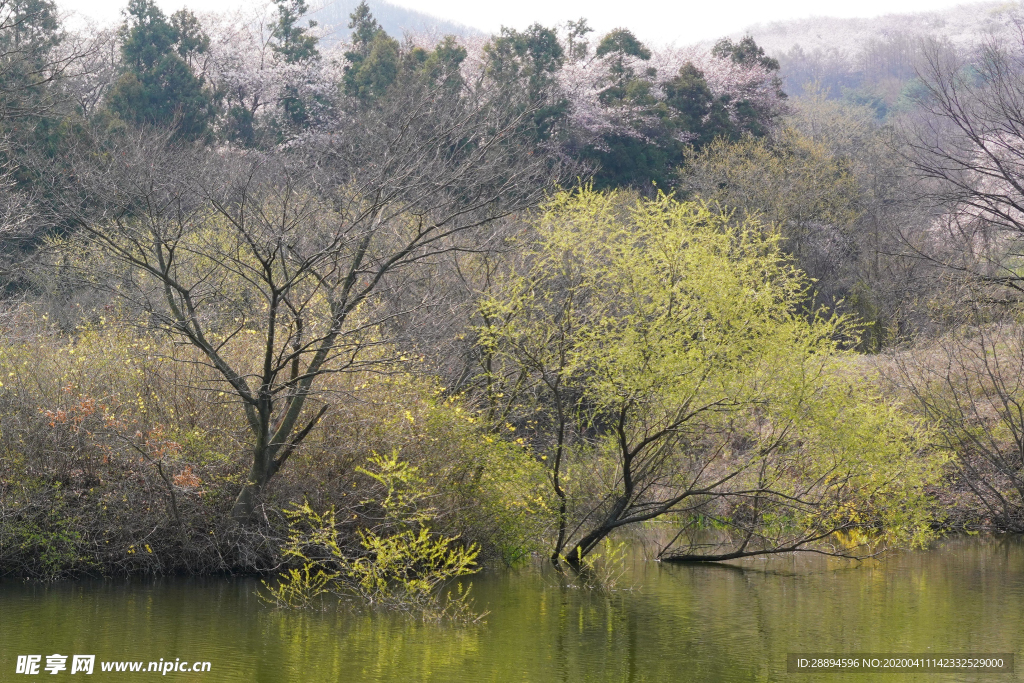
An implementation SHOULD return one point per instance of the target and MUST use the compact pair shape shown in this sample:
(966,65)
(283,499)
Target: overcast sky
(656,21)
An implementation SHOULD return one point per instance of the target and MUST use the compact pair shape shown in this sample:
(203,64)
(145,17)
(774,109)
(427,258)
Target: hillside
(397,21)
(960,25)
(874,59)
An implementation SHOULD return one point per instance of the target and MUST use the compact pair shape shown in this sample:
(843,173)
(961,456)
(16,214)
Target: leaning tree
(655,354)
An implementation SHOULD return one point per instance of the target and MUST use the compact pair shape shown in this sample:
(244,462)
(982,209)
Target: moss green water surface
(663,623)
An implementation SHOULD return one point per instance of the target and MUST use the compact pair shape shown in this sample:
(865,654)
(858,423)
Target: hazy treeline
(874,59)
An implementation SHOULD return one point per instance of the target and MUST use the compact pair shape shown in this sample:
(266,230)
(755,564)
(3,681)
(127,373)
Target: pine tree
(293,42)
(374,58)
(158,87)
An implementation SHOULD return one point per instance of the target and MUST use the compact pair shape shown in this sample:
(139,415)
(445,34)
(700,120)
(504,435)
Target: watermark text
(31,665)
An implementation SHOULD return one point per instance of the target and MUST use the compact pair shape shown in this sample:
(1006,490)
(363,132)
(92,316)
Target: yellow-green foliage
(697,383)
(400,563)
(486,489)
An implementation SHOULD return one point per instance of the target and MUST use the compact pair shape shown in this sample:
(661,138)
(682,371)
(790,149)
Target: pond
(663,622)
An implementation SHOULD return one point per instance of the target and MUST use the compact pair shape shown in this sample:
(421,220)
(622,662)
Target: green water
(667,623)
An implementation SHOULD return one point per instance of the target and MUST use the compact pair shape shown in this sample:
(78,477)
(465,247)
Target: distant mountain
(397,21)
(874,60)
(961,24)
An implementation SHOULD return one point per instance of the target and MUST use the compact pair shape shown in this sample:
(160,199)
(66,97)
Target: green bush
(399,563)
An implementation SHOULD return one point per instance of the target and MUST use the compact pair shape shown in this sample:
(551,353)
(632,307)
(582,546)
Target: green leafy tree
(525,65)
(378,62)
(293,42)
(38,118)
(295,45)
(364,26)
(445,62)
(645,152)
(29,69)
(660,128)
(440,66)
(576,39)
(744,52)
(158,87)
(695,111)
(192,42)
(374,59)
(29,30)
(655,353)
(750,116)
(619,46)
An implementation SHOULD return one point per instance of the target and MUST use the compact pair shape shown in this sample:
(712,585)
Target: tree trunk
(587,544)
(259,475)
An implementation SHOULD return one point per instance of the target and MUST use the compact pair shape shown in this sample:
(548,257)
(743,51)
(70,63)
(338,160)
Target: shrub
(399,562)
(119,454)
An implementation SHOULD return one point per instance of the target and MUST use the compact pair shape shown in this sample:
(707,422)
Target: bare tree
(293,249)
(970,382)
(965,147)
(36,56)
(95,60)
(34,53)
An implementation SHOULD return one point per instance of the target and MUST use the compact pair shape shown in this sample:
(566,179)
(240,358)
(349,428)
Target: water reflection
(678,623)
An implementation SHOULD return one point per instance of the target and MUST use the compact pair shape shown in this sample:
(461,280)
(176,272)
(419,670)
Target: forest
(364,316)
